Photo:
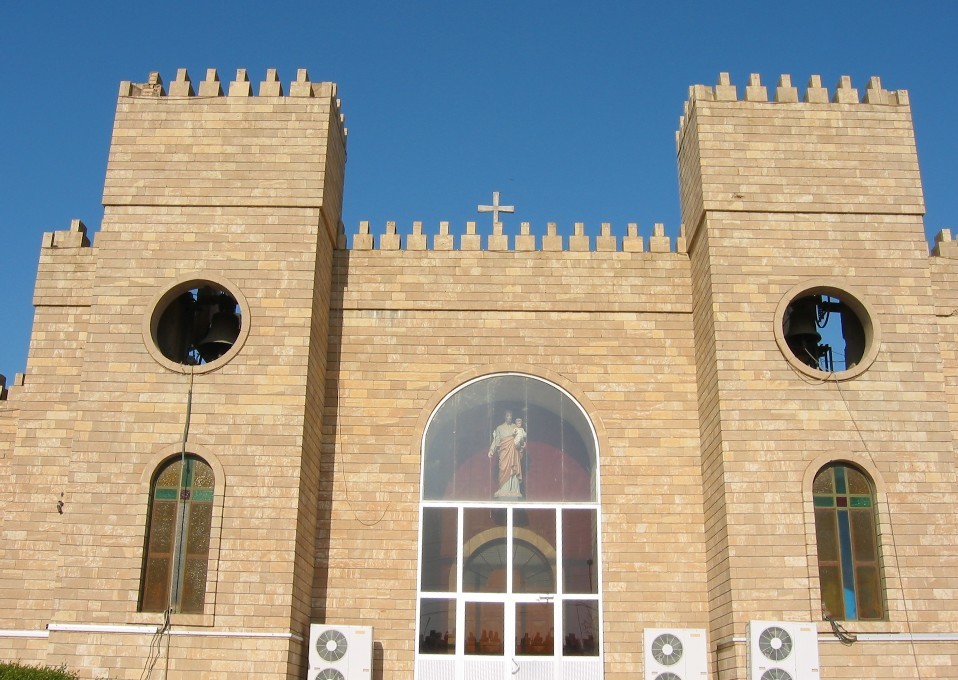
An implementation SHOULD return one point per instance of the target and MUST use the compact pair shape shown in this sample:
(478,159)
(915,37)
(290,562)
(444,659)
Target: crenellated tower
(802,208)
(202,353)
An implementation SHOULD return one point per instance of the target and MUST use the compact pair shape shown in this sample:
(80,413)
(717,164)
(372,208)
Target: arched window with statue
(509,534)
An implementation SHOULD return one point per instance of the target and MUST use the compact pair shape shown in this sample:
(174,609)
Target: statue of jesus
(509,442)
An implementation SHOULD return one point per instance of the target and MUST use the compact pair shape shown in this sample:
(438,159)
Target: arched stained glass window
(845,531)
(178,537)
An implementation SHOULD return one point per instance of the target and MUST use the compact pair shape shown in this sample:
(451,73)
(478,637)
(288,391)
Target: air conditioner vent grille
(776,674)
(331,645)
(330,674)
(667,649)
(667,676)
(776,644)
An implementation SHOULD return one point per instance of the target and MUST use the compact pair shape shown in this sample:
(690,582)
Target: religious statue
(509,442)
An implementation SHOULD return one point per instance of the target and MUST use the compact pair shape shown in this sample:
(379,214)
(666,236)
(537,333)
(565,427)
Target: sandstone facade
(708,432)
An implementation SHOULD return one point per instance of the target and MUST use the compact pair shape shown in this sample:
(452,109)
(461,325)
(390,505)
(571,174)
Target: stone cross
(495,208)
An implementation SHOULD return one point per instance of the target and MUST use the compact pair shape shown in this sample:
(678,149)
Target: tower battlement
(821,153)
(241,86)
(218,145)
(524,241)
(786,93)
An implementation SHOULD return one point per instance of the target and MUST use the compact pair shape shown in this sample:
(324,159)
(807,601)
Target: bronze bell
(800,327)
(224,329)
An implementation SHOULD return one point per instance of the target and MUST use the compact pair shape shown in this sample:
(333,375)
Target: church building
(241,449)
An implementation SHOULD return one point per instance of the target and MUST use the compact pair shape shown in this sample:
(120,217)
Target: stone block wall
(709,436)
(614,330)
(227,188)
(824,192)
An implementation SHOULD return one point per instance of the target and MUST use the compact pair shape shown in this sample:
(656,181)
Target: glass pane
(156,585)
(484,628)
(841,486)
(580,622)
(534,551)
(162,523)
(509,438)
(194,586)
(170,476)
(824,482)
(437,626)
(826,533)
(198,532)
(831,585)
(202,475)
(439,541)
(848,565)
(484,550)
(579,547)
(869,593)
(535,623)
(857,482)
(863,535)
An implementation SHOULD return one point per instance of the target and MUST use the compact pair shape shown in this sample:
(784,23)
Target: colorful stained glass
(846,536)
(178,537)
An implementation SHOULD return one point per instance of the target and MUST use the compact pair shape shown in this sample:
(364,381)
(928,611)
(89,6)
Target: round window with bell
(197,324)
(826,331)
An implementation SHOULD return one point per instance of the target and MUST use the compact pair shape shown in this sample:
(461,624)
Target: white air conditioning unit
(676,654)
(340,652)
(780,650)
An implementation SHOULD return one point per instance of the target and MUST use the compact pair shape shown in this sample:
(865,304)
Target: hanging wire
(830,377)
(891,534)
(156,644)
(156,647)
(846,638)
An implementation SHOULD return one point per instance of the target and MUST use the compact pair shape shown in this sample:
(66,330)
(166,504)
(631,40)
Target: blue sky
(568,108)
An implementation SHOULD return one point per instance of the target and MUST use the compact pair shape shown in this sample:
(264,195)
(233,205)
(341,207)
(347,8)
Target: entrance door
(509,638)
(523,602)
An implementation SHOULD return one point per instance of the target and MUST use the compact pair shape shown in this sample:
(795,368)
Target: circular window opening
(822,329)
(197,323)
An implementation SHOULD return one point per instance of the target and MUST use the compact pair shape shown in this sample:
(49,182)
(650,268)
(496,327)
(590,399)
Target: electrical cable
(846,638)
(891,534)
(155,647)
(830,377)
(156,641)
